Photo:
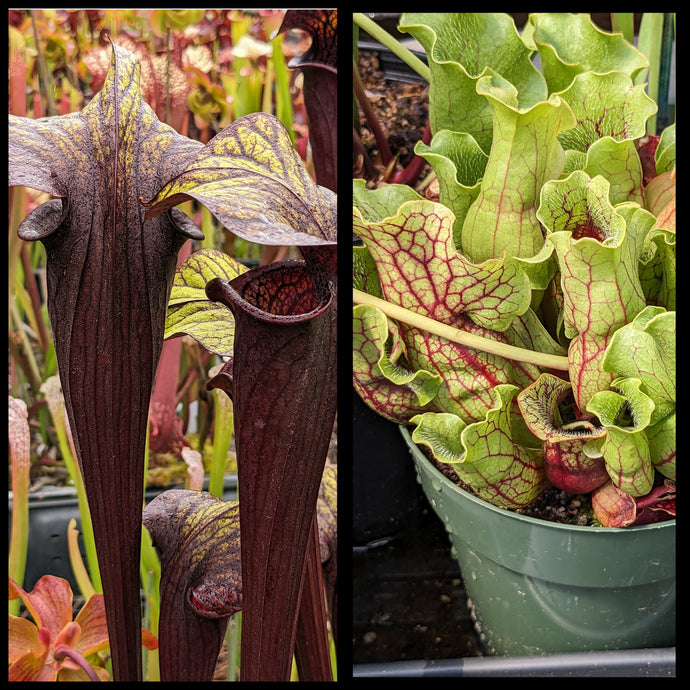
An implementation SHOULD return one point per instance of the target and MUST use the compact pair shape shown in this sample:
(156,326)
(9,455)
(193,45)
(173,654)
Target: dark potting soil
(553,504)
(402,109)
(409,602)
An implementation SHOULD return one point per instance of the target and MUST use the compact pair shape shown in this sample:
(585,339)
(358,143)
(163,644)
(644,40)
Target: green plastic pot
(541,587)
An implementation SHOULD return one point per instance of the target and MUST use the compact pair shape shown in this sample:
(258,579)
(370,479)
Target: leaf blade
(252,179)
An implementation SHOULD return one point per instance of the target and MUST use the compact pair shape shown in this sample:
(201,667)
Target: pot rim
(419,456)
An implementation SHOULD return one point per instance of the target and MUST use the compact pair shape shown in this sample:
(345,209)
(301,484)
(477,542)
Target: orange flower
(53,646)
(46,649)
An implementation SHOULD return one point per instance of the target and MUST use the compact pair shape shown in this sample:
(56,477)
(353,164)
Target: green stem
(624,22)
(267,90)
(20,465)
(649,43)
(476,342)
(19,541)
(150,570)
(221,442)
(283,99)
(43,72)
(151,576)
(383,37)
(18,211)
(20,350)
(57,411)
(32,290)
(233,637)
(81,574)
(208,228)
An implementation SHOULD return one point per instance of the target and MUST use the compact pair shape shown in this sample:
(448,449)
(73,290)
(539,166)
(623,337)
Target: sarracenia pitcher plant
(111,235)
(523,322)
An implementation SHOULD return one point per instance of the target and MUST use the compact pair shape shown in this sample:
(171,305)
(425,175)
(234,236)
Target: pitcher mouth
(284,292)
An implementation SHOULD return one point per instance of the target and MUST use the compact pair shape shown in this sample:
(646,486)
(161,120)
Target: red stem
(32,289)
(411,172)
(311,644)
(358,147)
(65,651)
(370,115)
(166,427)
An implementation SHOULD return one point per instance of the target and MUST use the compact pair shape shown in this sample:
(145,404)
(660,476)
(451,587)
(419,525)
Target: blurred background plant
(200,71)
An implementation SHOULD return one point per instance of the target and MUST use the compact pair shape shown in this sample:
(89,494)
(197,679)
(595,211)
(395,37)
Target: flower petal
(22,638)
(94,629)
(32,667)
(68,636)
(49,603)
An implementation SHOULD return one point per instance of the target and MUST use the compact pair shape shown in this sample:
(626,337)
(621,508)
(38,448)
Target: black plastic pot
(50,511)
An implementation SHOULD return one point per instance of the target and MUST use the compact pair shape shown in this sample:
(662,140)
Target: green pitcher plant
(522,322)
